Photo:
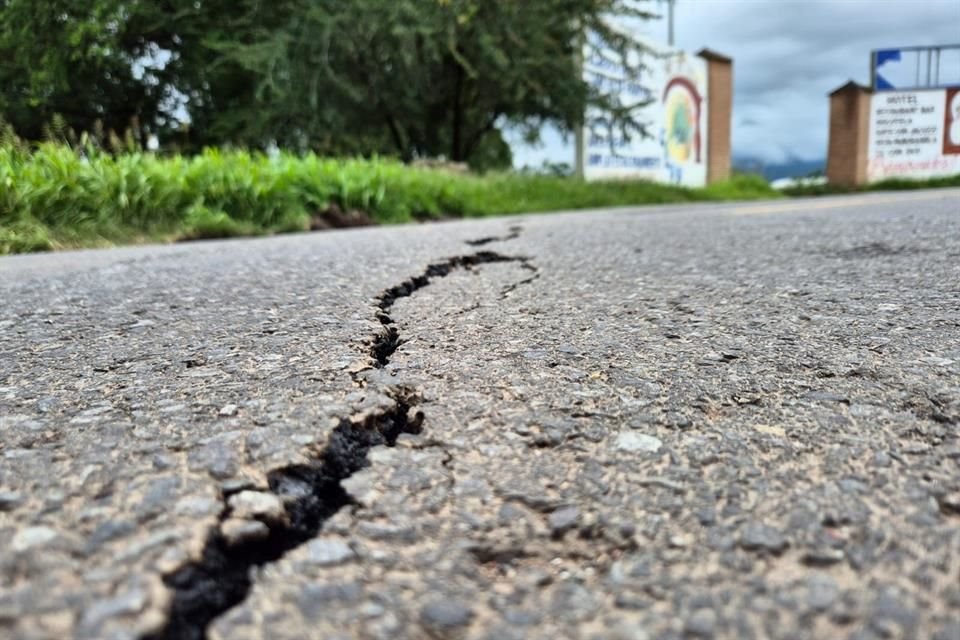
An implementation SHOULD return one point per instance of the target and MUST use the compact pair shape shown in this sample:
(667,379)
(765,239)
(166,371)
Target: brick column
(719,113)
(849,132)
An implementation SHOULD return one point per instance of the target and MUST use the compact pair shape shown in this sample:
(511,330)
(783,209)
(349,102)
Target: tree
(72,58)
(117,64)
(427,77)
(416,78)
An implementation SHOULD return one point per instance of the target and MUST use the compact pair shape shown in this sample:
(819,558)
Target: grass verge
(56,197)
(890,184)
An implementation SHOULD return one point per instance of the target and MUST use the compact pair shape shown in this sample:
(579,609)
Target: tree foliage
(415,78)
(433,77)
(62,60)
(114,65)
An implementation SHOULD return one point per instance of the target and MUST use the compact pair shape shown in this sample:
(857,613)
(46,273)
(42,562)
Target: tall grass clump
(96,195)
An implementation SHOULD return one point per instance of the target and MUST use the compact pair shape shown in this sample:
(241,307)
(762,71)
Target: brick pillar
(719,113)
(849,130)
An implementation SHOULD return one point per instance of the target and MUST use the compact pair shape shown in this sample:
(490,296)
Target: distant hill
(794,168)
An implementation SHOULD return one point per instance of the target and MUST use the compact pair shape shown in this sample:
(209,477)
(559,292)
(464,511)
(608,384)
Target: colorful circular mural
(681,102)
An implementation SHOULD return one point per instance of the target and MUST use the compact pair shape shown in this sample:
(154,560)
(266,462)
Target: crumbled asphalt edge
(220,580)
(312,493)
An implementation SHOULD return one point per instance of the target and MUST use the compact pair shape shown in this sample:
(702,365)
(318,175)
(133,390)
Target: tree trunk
(456,134)
(477,137)
(405,146)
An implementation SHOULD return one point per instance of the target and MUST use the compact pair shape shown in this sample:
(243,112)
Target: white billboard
(914,134)
(674,84)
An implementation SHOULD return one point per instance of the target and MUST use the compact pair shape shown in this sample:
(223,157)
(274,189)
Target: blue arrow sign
(883,57)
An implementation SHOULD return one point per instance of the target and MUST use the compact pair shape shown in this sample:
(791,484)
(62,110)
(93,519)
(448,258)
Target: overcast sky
(788,55)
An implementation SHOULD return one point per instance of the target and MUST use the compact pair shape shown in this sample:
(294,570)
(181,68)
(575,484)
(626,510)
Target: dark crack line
(312,493)
(510,288)
(513,235)
(388,341)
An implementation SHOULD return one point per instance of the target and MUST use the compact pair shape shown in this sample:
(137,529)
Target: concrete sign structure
(877,133)
(914,134)
(686,109)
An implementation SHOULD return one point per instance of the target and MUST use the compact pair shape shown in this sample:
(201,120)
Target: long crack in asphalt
(311,493)
(513,235)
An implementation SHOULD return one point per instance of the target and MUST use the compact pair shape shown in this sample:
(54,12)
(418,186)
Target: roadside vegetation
(892,184)
(59,196)
(55,196)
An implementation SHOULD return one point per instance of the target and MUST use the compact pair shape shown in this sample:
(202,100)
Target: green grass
(890,184)
(56,197)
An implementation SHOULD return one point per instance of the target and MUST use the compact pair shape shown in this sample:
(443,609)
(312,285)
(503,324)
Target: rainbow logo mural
(681,109)
(670,93)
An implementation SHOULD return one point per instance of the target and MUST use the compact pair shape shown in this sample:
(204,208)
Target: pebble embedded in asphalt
(633,441)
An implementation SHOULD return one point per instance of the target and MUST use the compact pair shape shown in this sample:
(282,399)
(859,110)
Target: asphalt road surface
(723,421)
